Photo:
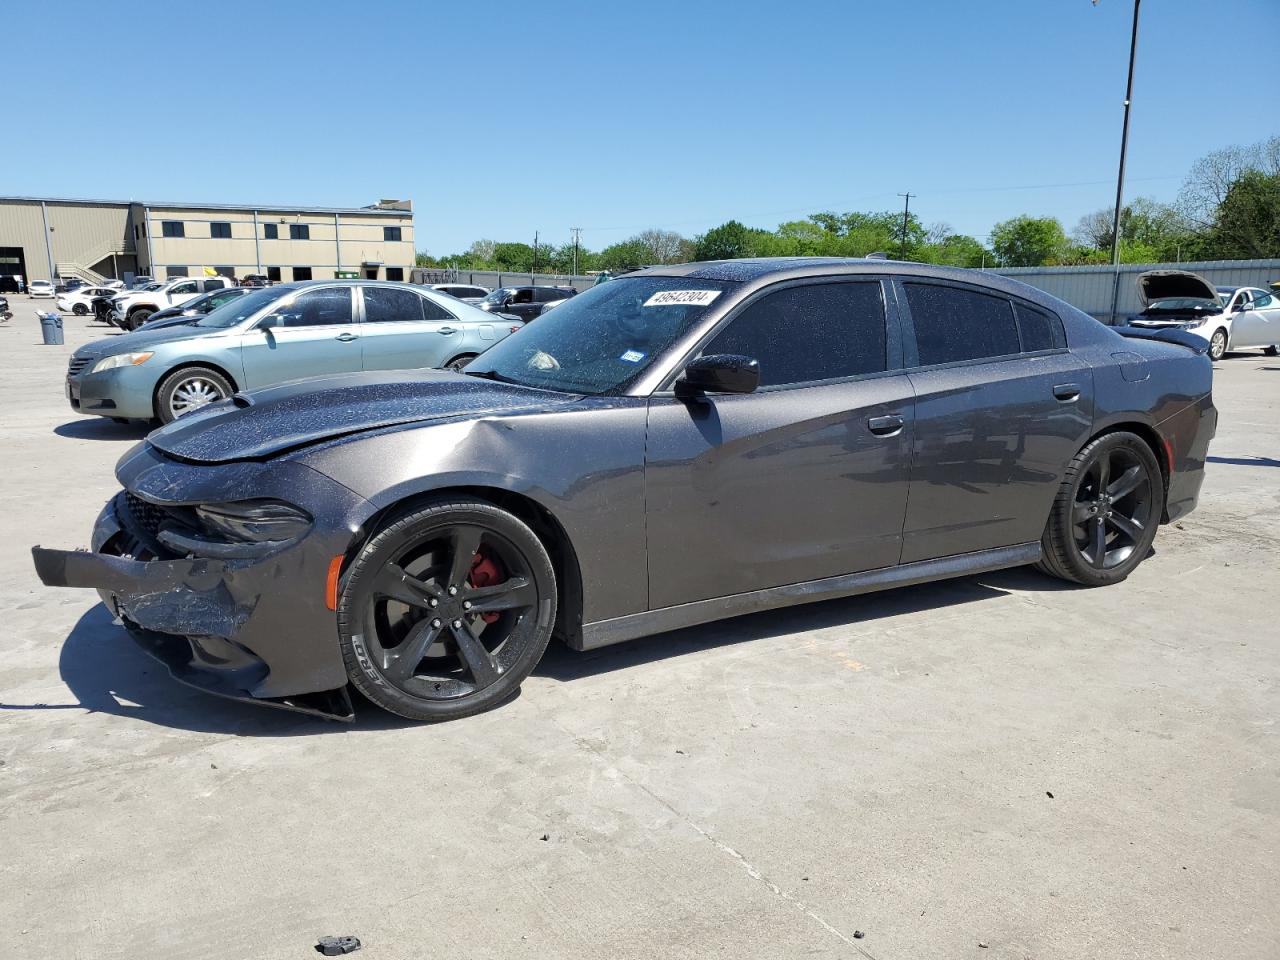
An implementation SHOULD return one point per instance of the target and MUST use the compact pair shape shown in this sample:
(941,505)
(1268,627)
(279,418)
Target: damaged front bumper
(255,629)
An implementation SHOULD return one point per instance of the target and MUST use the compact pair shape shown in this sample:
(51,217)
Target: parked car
(80,302)
(5,313)
(255,280)
(270,335)
(40,288)
(140,281)
(1225,317)
(675,446)
(525,302)
(114,284)
(101,307)
(193,309)
(465,292)
(131,310)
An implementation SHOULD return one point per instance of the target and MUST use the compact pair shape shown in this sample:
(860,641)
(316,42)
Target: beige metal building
(42,238)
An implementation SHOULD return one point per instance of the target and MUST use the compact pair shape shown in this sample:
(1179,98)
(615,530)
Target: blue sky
(500,119)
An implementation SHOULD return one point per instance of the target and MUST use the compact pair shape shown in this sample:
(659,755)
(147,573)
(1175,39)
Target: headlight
(121,360)
(256,521)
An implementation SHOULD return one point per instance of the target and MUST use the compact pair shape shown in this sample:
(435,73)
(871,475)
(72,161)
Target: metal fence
(1089,288)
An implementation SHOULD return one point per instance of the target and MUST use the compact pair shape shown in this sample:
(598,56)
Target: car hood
(142,339)
(271,421)
(1171,284)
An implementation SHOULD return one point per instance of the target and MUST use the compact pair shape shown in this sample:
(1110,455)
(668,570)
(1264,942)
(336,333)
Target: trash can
(51,327)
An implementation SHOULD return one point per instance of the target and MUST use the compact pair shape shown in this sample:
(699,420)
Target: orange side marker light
(331,583)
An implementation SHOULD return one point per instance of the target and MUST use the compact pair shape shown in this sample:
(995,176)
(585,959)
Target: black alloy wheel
(446,610)
(1104,519)
(79,309)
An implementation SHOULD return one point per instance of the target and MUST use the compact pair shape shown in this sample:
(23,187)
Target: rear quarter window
(1040,329)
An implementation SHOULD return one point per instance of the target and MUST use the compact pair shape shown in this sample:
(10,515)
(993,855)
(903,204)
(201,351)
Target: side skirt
(602,633)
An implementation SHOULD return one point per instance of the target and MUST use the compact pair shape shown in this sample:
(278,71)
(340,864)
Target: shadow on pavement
(100,428)
(561,663)
(1246,461)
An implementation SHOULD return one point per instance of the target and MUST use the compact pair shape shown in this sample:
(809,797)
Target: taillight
(514,329)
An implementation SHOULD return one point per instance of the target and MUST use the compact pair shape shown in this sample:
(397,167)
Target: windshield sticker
(682,298)
(632,356)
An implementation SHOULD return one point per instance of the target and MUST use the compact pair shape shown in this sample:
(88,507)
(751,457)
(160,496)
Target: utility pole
(906,214)
(577,232)
(535,256)
(1124,148)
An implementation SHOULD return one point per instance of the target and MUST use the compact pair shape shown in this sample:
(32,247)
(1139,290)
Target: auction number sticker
(682,298)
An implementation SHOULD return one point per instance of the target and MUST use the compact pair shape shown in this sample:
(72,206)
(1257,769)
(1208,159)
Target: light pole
(1124,149)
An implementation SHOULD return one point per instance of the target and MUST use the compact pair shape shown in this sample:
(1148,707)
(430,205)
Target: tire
(1218,344)
(457,363)
(189,389)
(1271,351)
(419,651)
(137,318)
(79,309)
(1127,515)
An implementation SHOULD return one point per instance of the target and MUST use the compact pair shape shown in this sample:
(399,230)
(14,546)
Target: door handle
(346,337)
(1066,392)
(885,426)
(447,331)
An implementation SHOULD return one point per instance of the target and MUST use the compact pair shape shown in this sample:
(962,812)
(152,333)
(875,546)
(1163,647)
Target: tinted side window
(1040,330)
(522,296)
(813,332)
(183,289)
(955,324)
(548,295)
(317,308)
(433,311)
(384,306)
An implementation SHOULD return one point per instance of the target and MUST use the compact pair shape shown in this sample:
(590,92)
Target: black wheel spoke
(1082,513)
(474,654)
(1129,526)
(395,584)
(1098,542)
(1104,473)
(513,594)
(466,541)
(1126,483)
(399,662)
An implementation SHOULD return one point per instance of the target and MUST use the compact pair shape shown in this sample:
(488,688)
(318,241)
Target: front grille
(146,516)
(76,365)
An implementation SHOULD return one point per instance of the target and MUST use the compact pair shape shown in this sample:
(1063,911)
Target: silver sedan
(286,332)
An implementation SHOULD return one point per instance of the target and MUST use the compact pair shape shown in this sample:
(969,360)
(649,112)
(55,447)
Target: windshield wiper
(492,375)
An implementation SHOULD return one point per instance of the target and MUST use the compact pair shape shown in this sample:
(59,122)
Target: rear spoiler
(1166,335)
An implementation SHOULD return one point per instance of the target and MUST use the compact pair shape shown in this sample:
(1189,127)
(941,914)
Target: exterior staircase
(68,269)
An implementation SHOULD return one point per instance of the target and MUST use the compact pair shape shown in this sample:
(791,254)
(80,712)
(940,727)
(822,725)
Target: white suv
(131,310)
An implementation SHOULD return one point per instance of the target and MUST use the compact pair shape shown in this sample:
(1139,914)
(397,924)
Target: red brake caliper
(484,573)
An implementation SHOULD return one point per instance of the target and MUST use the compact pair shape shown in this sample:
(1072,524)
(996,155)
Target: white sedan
(80,301)
(40,288)
(1229,318)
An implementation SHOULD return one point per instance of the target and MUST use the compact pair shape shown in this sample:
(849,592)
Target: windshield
(1183,304)
(601,340)
(241,308)
(499,295)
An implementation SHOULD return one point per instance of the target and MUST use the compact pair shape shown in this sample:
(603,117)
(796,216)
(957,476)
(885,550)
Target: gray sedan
(286,332)
(676,446)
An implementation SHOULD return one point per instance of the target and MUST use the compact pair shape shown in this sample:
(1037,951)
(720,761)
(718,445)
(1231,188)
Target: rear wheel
(446,610)
(457,363)
(1218,344)
(79,309)
(189,389)
(1271,351)
(1104,519)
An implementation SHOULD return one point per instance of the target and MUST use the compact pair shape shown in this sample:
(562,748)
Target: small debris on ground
(337,946)
(858,934)
(982,944)
(213,766)
(1049,794)
(680,752)
(545,836)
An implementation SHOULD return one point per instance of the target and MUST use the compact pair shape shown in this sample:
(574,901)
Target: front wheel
(1218,345)
(1271,351)
(186,390)
(457,363)
(1104,518)
(137,319)
(446,610)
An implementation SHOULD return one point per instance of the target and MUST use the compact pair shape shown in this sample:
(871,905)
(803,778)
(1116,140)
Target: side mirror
(720,373)
(1240,308)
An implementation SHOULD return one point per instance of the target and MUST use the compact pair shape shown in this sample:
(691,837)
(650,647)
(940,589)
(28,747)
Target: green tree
(955,250)
(1025,241)
(1247,223)
(517,257)
(627,255)
(729,241)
